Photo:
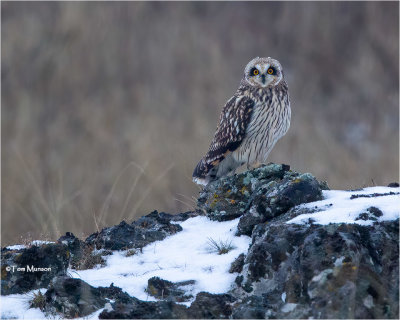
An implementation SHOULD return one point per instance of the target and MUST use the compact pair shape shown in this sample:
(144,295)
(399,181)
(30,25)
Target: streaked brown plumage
(250,124)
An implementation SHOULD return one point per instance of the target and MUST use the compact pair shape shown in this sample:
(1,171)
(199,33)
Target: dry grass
(38,301)
(220,246)
(88,259)
(107,107)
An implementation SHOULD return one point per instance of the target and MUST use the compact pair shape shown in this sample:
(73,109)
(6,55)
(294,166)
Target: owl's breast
(269,122)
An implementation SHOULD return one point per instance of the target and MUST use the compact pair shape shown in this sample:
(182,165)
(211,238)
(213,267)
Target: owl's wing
(233,122)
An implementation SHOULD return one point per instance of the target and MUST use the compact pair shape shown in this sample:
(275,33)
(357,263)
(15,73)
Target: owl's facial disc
(263,72)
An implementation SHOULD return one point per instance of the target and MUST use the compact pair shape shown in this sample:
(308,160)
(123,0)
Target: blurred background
(108,106)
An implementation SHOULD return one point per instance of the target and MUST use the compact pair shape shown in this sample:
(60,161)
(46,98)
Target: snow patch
(186,256)
(16,306)
(180,257)
(16,247)
(340,207)
(288,307)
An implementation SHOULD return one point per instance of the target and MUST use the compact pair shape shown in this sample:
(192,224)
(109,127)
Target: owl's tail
(204,173)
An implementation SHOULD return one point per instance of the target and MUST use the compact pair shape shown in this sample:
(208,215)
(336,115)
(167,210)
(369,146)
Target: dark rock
(253,307)
(364,216)
(166,290)
(335,271)
(184,216)
(237,265)
(206,305)
(275,198)
(372,213)
(153,227)
(324,185)
(247,223)
(228,197)
(132,308)
(82,255)
(69,297)
(72,298)
(375,211)
(258,195)
(115,293)
(373,195)
(32,268)
(211,306)
(290,270)
(393,185)
(72,242)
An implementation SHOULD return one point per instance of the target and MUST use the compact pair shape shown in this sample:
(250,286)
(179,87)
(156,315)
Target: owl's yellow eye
(255,72)
(270,71)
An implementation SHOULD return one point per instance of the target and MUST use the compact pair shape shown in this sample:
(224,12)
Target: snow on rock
(302,236)
(17,306)
(352,207)
(16,247)
(33,243)
(186,255)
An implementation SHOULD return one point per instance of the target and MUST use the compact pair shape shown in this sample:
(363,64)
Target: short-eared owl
(251,122)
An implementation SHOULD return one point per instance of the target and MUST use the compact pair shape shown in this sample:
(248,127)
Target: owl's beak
(263,78)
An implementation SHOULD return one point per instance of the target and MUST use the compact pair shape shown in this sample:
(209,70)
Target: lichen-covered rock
(179,217)
(32,268)
(371,213)
(126,307)
(82,255)
(237,265)
(153,227)
(71,298)
(321,271)
(252,307)
(205,306)
(290,270)
(146,310)
(211,306)
(171,291)
(73,243)
(258,195)
(228,197)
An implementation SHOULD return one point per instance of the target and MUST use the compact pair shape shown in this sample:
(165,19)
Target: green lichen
(214,203)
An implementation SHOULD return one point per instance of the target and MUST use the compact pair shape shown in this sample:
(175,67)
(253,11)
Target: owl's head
(263,72)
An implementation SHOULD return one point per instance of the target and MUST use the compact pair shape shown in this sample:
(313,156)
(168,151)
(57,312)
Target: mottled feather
(251,122)
(231,130)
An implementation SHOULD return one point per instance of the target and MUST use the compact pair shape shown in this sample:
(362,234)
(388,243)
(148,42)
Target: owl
(250,124)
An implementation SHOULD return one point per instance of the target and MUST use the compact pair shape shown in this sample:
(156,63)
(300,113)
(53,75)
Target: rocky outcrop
(335,271)
(26,269)
(72,298)
(205,306)
(258,195)
(167,290)
(153,227)
(289,271)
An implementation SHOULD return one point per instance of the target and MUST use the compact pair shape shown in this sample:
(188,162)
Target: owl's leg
(227,166)
(233,167)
